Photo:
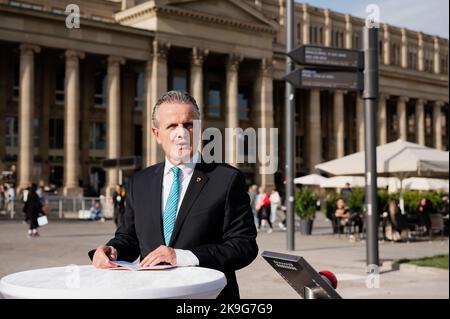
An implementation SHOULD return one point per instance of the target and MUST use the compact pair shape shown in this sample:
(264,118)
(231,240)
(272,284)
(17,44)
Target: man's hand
(162,254)
(103,256)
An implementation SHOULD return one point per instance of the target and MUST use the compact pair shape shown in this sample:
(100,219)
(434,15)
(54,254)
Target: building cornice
(151,9)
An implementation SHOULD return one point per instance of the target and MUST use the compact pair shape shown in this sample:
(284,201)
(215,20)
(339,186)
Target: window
(56,133)
(60,77)
(16,84)
(244,103)
(380,50)
(179,80)
(356,41)
(395,54)
(429,127)
(139,98)
(337,39)
(100,82)
(97,136)
(11,131)
(299,33)
(314,35)
(429,60)
(214,100)
(36,133)
(299,146)
(412,58)
(444,64)
(411,121)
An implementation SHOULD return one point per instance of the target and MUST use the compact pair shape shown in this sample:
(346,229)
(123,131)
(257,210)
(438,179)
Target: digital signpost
(329,68)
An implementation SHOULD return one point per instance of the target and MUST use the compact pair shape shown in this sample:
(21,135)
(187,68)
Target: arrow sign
(327,57)
(326,79)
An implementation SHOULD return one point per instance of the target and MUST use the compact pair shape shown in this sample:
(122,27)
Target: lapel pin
(199,179)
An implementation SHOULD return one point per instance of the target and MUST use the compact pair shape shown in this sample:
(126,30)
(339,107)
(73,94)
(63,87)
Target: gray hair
(174,97)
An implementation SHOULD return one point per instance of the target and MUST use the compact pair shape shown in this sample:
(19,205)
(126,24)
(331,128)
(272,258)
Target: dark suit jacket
(215,220)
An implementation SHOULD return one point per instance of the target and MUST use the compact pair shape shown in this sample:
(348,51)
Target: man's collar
(187,168)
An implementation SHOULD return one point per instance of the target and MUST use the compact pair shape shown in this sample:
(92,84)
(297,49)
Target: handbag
(42,220)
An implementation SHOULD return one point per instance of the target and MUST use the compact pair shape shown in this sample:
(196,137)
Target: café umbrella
(398,159)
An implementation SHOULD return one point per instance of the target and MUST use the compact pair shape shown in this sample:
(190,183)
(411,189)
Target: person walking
(253,194)
(32,209)
(275,201)
(263,210)
(10,198)
(119,204)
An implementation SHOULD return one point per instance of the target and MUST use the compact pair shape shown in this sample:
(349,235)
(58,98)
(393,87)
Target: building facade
(71,97)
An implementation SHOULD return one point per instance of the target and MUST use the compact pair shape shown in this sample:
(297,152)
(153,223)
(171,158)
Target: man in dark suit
(184,211)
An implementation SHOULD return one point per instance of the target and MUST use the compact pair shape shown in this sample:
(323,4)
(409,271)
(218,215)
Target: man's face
(175,131)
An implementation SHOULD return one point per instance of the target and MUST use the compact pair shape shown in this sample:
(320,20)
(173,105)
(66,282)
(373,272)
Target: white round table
(87,282)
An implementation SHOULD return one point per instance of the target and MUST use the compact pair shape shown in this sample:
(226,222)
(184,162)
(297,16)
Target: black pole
(289,122)
(370,96)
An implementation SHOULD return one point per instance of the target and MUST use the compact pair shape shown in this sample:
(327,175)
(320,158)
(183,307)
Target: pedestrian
(2,200)
(346,192)
(10,198)
(253,194)
(263,210)
(32,209)
(424,209)
(119,204)
(275,201)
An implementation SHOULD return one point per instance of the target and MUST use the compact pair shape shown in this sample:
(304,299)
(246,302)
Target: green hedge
(411,199)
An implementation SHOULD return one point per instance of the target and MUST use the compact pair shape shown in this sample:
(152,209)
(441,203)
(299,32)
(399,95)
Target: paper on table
(135,267)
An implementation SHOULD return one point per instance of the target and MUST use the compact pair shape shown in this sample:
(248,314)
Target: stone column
(328,28)
(386,45)
(306,22)
(71,120)
(382,119)
(401,114)
(113,119)
(281,12)
(437,124)
(232,116)
(339,123)
(421,53)
(265,118)
(348,32)
(156,83)
(198,56)
(420,120)
(404,49)
(26,111)
(437,57)
(5,77)
(360,123)
(315,131)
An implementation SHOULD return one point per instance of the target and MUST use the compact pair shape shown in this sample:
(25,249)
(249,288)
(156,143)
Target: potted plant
(305,208)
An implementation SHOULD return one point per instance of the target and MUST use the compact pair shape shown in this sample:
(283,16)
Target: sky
(428,16)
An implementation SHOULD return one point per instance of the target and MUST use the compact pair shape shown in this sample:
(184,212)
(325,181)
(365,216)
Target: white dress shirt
(184,257)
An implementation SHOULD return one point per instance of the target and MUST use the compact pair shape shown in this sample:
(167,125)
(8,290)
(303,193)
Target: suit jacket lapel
(198,180)
(154,200)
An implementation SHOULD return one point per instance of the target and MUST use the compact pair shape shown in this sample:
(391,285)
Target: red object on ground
(330,276)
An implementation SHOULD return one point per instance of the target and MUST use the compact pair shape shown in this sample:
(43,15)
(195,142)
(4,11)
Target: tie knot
(175,171)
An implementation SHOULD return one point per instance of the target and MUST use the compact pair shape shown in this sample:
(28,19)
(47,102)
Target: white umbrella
(340,181)
(399,159)
(354,181)
(425,184)
(312,179)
